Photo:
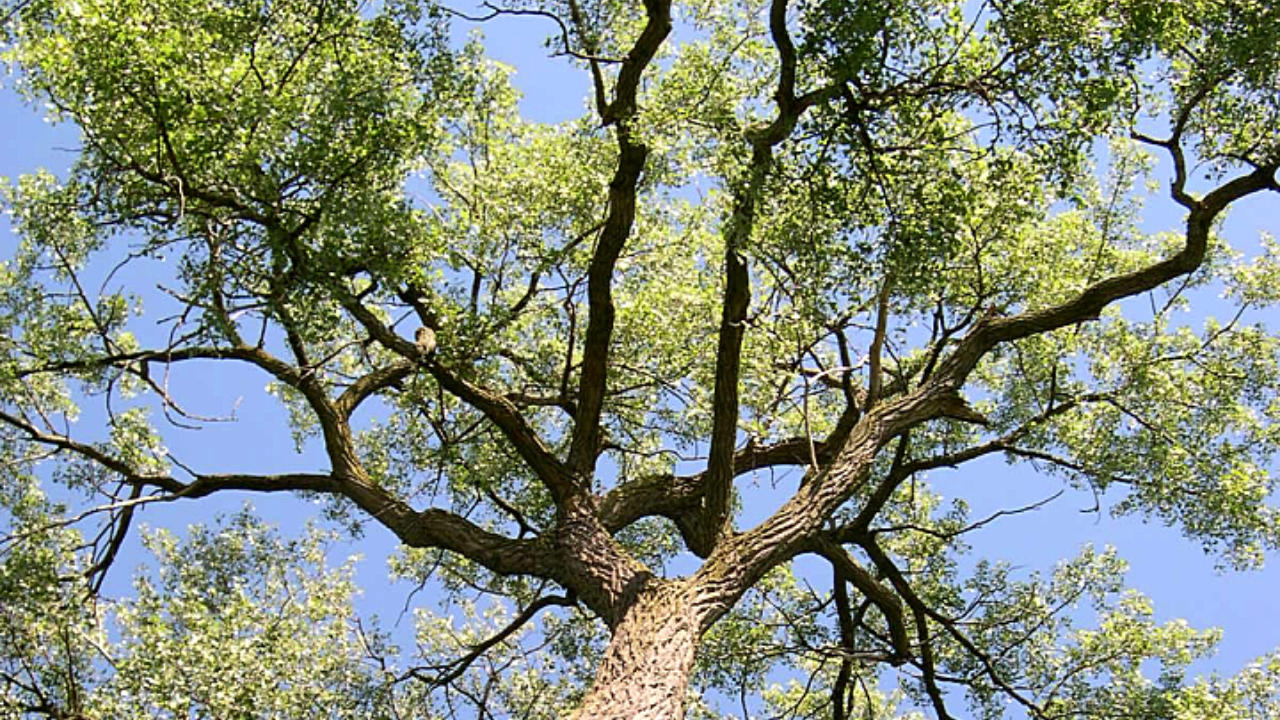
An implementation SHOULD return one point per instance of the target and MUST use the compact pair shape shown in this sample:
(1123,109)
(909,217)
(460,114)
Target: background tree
(862,241)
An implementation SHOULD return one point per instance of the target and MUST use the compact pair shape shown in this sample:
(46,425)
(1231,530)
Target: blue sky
(1181,580)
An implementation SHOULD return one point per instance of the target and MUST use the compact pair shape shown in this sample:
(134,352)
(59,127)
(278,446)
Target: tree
(860,241)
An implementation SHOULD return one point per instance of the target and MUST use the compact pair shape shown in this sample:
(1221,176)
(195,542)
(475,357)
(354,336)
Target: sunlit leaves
(49,634)
(242,618)
(324,179)
(1254,693)
(1027,631)
(232,618)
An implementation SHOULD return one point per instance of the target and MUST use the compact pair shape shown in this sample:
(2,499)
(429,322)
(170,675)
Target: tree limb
(991,330)
(585,442)
(498,409)
(428,528)
(889,605)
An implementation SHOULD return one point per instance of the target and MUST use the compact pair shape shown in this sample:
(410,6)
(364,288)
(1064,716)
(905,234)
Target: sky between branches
(1178,577)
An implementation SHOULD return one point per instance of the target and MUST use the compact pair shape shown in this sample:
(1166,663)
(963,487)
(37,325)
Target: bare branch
(971,526)
(565,49)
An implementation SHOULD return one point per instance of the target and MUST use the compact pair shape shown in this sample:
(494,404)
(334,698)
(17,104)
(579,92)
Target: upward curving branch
(632,153)
(703,534)
(1088,305)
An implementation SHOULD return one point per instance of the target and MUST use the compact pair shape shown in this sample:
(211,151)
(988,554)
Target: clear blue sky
(1173,571)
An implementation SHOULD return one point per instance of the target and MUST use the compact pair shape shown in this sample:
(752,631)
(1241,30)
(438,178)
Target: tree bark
(645,671)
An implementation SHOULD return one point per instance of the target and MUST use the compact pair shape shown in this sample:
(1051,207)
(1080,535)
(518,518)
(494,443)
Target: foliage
(795,256)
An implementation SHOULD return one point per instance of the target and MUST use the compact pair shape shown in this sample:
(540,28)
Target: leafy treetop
(848,243)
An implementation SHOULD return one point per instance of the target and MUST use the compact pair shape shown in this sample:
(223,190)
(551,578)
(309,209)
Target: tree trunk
(645,671)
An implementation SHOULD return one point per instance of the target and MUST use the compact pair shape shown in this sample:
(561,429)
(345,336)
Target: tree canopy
(843,246)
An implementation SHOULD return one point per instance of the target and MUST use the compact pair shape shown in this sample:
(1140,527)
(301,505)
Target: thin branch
(445,674)
(565,48)
(503,413)
(97,573)
(901,470)
(923,613)
(918,610)
(886,602)
(14,11)
(949,535)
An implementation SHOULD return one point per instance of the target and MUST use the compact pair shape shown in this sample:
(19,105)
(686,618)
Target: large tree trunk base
(645,671)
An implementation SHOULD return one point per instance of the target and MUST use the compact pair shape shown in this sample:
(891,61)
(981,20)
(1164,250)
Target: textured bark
(656,624)
(645,671)
(587,431)
(703,532)
(606,577)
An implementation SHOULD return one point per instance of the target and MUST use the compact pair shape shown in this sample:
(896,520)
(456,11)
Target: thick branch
(585,444)
(875,370)
(431,528)
(715,521)
(741,560)
(278,368)
(786,92)
(579,553)
(649,496)
(737,296)
(790,107)
(1088,305)
(370,383)
(655,31)
(674,495)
